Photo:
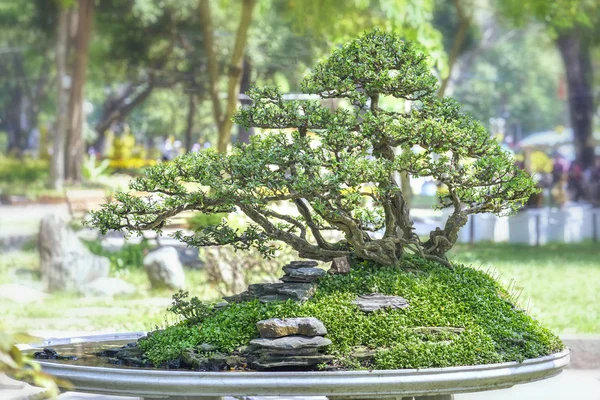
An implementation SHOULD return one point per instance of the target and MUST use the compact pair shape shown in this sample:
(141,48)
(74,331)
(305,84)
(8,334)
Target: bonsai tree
(326,164)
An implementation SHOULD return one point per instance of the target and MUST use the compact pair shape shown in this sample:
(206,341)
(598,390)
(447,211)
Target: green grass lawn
(560,283)
(560,286)
(68,312)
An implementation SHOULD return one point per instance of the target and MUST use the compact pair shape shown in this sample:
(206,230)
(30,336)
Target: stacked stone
(298,283)
(294,343)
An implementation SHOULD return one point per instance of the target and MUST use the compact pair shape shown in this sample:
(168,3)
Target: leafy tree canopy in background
(353,156)
(573,24)
(498,84)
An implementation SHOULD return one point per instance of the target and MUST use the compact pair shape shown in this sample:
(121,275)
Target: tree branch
(302,246)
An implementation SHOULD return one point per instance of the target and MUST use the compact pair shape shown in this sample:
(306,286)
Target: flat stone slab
(377,301)
(267,292)
(291,361)
(302,274)
(291,342)
(297,291)
(301,264)
(275,327)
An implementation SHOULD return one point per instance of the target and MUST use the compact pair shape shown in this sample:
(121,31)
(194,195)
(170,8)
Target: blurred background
(92,91)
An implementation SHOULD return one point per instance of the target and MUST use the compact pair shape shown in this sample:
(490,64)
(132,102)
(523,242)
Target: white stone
(164,268)
(65,263)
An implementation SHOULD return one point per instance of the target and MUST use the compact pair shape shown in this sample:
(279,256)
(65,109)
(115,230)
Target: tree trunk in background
(223,118)
(464,23)
(243,132)
(574,48)
(57,168)
(12,122)
(75,144)
(190,122)
(235,73)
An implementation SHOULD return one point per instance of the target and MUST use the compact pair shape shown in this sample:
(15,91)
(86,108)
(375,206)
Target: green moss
(494,329)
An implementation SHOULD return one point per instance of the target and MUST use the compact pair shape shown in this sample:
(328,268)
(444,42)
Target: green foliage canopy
(328,164)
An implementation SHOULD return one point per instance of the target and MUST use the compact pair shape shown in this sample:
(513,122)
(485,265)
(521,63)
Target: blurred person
(559,191)
(575,184)
(560,165)
(592,181)
(168,150)
(178,148)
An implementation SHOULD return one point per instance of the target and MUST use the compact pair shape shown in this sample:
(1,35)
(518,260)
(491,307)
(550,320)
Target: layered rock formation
(294,343)
(298,283)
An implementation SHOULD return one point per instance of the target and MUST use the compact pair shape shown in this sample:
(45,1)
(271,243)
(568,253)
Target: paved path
(570,385)
(25,220)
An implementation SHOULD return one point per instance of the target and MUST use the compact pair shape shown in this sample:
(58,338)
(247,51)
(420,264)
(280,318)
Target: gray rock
(275,327)
(261,289)
(236,361)
(273,297)
(65,263)
(363,353)
(295,362)
(308,351)
(192,359)
(268,292)
(434,330)
(128,352)
(302,274)
(340,265)
(189,256)
(164,269)
(302,264)
(215,362)
(376,301)
(297,291)
(239,298)
(109,287)
(292,343)
(206,347)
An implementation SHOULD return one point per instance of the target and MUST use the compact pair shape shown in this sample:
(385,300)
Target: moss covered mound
(495,330)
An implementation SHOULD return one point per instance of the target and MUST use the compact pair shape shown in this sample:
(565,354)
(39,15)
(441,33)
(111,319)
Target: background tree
(496,86)
(83,18)
(26,75)
(454,18)
(143,46)
(328,178)
(223,116)
(574,26)
(61,123)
